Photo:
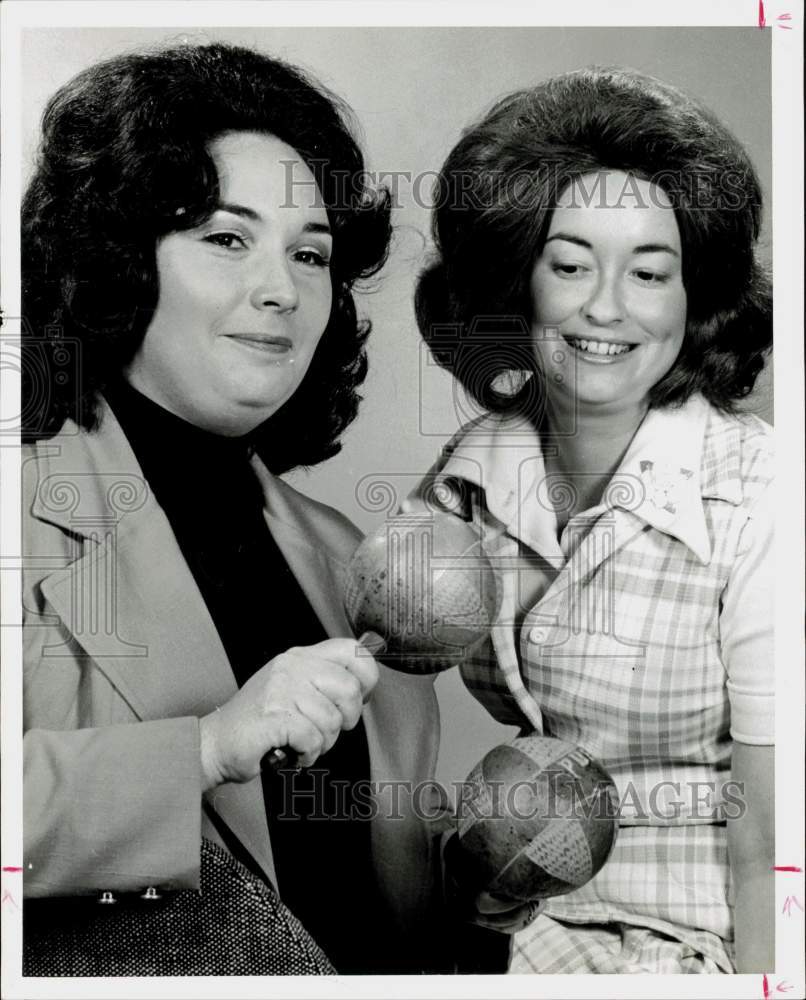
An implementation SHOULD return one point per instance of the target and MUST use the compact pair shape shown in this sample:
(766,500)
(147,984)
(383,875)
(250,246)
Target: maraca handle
(279,757)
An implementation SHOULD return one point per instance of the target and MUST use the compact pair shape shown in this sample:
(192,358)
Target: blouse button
(538,634)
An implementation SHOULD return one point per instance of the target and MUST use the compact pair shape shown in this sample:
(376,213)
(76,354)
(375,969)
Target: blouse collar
(659,479)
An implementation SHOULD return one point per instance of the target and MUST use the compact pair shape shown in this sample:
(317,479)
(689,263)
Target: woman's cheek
(664,316)
(547,299)
(562,301)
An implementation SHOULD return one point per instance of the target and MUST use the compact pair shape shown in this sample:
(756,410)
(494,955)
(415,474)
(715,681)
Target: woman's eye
(311,257)
(227,240)
(568,270)
(650,277)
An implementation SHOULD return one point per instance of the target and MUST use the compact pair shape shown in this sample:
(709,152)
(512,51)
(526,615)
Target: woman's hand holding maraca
(301,699)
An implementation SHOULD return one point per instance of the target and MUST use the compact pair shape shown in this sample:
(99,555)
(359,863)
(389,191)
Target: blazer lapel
(132,604)
(318,571)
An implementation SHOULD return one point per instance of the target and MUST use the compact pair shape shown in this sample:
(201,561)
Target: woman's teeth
(600,347)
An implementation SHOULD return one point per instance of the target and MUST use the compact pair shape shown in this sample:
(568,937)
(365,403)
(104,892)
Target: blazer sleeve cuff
(117,807)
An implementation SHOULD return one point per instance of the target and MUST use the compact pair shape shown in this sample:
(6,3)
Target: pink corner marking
(766,985)
(762,21)
(8,898)
(789,903)
(786,868)
(11,868)
(783,987)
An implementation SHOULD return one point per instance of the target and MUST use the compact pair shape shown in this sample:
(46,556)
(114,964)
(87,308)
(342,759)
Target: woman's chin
(243,405)
(600,392)
(234,416)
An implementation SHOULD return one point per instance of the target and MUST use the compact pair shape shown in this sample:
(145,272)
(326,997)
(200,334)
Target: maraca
(537,818)
(424,583)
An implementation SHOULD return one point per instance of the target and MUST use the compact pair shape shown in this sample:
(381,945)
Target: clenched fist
(301,699)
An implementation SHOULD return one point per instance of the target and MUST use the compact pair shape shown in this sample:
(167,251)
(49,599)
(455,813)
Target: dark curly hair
(124,160)
(494,199)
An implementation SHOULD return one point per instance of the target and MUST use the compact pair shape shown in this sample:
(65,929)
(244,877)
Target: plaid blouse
(643,634)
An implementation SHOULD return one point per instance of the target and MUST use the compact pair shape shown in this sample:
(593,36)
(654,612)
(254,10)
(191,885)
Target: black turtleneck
(213,500)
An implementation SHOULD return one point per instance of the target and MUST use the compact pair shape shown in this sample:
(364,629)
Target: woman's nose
(274,288)
(604,306)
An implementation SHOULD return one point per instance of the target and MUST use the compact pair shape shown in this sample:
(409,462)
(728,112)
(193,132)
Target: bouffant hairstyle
(494,198)
(125,160)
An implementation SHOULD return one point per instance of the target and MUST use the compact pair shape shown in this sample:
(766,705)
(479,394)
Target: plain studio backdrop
(413,90)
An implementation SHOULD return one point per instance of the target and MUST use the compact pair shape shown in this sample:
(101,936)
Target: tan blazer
(121,658)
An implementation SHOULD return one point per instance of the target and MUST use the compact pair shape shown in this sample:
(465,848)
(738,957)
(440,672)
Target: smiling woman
(604,226)
(609,281)
(245,297)
(189,264)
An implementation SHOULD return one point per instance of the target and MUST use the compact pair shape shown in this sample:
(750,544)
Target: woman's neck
(583,447)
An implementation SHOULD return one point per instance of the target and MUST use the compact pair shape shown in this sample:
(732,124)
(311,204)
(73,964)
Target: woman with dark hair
(192,236)
(596,291)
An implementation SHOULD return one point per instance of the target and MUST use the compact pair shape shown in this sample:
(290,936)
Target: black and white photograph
(402,500)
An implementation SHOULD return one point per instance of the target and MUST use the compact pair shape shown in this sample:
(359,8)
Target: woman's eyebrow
(249,213)
(570,239)
(242,210)
(656,248)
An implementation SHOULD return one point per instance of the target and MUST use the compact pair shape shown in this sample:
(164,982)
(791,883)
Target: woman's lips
(261,342)
(602,351)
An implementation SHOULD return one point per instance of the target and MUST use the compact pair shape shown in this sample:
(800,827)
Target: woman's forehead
(608,202)
(257,168)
